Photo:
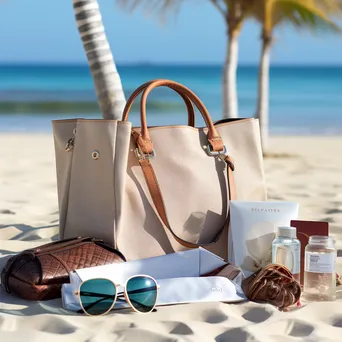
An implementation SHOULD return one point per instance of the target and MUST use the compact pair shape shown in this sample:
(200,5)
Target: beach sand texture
(309,172)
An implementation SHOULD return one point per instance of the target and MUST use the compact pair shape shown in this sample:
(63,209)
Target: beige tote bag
(150,191)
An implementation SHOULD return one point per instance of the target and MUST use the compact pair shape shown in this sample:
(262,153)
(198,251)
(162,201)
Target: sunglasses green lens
(97,296)
(142,293)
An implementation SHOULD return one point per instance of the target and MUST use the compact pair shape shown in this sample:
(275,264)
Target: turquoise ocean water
(304,100)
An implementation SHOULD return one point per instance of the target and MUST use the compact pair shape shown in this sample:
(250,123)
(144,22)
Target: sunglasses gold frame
(78,294)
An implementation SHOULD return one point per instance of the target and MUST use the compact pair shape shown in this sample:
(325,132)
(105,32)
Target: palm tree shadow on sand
(29,233)
(26,233)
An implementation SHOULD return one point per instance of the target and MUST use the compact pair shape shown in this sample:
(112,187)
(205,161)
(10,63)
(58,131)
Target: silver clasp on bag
(216,153)
(140,155)
(70,144)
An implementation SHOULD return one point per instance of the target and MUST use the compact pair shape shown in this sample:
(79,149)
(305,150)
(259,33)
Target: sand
(303,169)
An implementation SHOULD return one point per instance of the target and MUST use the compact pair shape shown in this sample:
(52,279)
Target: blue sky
(45,31)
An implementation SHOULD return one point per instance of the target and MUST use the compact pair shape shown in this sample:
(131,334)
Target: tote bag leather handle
(144,142)
(188,103)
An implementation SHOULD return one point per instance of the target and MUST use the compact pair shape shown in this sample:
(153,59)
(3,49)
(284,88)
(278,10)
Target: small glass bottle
(286,250)
(319,269)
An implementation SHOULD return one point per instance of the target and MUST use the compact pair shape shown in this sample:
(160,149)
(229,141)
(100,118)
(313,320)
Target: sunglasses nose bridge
(128,301)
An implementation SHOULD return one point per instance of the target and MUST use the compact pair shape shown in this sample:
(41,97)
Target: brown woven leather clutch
(38,273)
(273,284)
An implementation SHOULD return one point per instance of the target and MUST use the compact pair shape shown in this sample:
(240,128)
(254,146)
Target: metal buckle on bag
(216,153)
(140,155)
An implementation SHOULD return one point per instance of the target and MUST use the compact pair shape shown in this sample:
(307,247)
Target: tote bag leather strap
(136,93)
(144,142)
(157,198)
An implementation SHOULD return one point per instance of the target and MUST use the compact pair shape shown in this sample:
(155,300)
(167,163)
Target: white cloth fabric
(178,275)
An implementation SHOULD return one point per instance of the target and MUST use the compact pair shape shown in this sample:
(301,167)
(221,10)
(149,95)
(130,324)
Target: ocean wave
(86,107)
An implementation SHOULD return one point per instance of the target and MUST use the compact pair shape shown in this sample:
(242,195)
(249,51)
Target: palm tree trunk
(263,91)
(106,79)
(230,100)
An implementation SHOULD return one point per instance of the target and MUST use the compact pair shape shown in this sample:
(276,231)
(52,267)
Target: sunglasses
(98,296)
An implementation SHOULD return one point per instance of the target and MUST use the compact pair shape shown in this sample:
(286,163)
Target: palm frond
(312,14)
(333,7)
(220,6)
(306,13)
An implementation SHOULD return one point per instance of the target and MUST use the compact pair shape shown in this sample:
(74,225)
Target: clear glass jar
(319,269)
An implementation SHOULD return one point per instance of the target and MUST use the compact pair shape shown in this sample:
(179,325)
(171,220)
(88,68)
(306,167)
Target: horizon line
(142,63)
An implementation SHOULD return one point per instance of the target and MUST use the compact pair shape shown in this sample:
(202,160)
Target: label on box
(320,262)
